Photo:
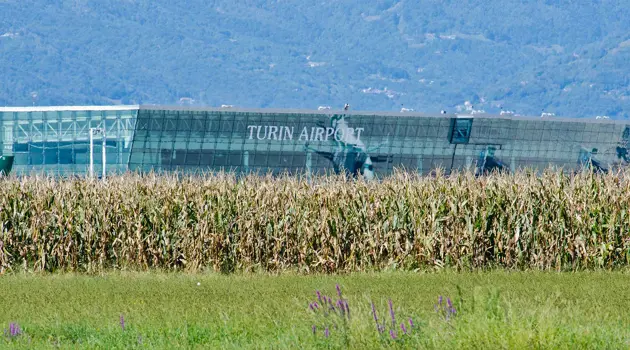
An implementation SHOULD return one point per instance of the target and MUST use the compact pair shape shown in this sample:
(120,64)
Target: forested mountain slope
(566,57)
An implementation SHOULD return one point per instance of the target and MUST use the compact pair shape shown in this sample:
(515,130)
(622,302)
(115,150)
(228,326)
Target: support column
(104,151)
(309,161)
(7,148)
(120,163)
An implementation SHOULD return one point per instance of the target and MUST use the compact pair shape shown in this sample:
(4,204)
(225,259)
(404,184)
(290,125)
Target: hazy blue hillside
(566,57)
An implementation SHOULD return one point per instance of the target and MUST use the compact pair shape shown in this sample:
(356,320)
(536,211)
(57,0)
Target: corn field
(548,221)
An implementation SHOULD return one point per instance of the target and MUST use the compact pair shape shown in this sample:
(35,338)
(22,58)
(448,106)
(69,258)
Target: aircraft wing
(379,159)
(328,155)
(374,148)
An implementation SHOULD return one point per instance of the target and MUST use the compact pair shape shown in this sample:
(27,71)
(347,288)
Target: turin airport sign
(312,134)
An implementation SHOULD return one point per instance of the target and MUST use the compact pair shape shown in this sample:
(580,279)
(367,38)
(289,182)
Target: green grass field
(493,310)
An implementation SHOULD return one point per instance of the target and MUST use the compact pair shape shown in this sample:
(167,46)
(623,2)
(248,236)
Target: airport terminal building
(56,140)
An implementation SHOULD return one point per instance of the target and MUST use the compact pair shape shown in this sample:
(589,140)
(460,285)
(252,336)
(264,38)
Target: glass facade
(55,140)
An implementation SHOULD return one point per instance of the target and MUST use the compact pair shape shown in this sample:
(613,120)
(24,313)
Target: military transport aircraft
(488,163)
(350,156)
(587,160)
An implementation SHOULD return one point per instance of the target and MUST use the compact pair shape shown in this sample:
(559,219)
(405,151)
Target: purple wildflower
(404,329)
(122,322)
(338,291)
(438,306)
(410,323)
(378,325)
(380,328)
(374,313)
(391,313)
(310,306)
(448,302)
(392,334)
(319,296)
(315,305)
(14,329)
(314,329)
(326,332)
(343,305)
(347,308)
